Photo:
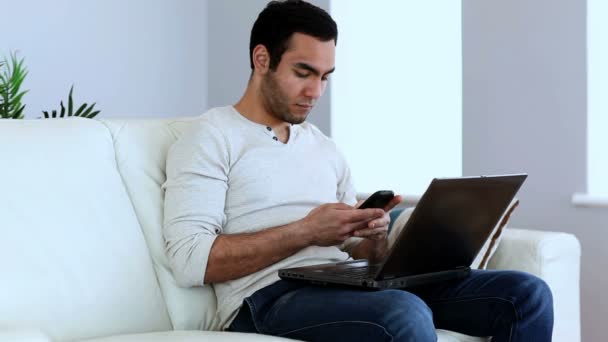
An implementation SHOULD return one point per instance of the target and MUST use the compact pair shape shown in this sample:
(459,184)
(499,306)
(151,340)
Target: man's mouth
(305,105)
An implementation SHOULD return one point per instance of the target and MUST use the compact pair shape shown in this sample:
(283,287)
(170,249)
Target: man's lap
(475,305)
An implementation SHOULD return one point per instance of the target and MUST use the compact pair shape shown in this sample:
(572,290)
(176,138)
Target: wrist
(300,230)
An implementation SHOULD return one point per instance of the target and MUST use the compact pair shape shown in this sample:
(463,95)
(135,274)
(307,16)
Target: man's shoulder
(218,116)
(210,126)
(313,130)
(316,134)
(214,120)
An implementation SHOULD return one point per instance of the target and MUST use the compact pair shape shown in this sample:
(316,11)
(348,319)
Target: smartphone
(378,199)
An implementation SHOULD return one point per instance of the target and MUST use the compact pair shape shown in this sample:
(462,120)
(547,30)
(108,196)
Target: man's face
(291,91)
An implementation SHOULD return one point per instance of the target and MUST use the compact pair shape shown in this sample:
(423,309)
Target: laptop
(444,234)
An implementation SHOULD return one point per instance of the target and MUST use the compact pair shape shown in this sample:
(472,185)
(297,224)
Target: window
(396,95)
(597,98)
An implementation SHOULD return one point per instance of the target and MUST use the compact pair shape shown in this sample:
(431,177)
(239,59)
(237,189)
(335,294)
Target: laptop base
(332,277)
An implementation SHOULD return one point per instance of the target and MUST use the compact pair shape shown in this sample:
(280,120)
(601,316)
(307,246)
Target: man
(253,188)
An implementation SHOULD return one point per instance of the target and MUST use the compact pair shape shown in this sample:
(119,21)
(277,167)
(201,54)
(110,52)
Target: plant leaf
(88,111)
(80,109)
(84,110)
(70,102)
(11,79)
(92,115)
(19,113)
(16,81)
(17,100)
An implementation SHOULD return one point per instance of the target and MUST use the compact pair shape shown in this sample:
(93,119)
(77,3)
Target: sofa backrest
(141,153)
(74,261)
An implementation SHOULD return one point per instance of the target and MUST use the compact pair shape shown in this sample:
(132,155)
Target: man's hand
(378,229)
(331,224)
(375,246)
(233,256)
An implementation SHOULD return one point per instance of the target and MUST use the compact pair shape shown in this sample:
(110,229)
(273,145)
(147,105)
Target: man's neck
(251,107)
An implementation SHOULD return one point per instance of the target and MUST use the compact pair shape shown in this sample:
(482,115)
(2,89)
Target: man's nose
(315,88)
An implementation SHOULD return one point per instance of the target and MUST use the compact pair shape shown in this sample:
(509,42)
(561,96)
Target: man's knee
(407,317)
(539,295)
(532,296)
(531,288)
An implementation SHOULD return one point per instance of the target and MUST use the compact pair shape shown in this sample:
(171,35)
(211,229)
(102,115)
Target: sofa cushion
(191,336)
(450,336)
(141,152)
(23,336)
(74,261)
(195,336)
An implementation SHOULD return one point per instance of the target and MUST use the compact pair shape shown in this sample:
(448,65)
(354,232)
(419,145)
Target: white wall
(134,58)
(397,92)
(525,110)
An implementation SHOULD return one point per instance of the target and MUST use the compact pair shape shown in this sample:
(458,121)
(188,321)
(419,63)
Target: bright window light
(597,92)
(396,96)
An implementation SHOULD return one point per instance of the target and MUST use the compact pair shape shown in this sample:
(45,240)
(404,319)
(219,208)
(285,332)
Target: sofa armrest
(18,335)
(553,257)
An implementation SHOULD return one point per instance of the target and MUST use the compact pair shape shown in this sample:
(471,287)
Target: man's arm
(236,255)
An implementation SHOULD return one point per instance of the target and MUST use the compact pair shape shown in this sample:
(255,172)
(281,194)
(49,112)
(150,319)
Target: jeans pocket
(243,322)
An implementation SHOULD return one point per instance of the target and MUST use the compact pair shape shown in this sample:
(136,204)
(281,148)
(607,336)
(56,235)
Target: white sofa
(82,251)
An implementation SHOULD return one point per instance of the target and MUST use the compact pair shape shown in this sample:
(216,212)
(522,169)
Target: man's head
(277,23)
(292,51)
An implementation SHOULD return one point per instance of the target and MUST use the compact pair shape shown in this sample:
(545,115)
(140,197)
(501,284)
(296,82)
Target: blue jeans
(508,305)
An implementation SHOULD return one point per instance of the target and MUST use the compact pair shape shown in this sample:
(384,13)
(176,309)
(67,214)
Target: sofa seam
(126,188)
(338,322)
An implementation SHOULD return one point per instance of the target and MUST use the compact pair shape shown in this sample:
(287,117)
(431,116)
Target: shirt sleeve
(195,192)
(346,193)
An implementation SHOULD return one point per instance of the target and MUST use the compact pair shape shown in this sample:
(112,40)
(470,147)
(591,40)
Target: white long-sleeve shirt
(228,175)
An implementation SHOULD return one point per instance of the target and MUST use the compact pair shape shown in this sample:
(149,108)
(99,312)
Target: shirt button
(275,138)
(268,128)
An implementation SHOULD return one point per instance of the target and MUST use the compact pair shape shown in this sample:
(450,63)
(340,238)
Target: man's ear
(261,59)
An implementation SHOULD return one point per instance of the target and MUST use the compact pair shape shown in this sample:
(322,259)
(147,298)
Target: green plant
(84,110)
(11,77)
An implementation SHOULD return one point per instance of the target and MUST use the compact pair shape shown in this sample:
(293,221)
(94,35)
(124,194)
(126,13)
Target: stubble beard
(276,102)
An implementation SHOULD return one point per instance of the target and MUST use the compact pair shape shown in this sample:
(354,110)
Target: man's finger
(393,203)
(364,215)
(381,222)
(370,231)
(353,227)
(341,206)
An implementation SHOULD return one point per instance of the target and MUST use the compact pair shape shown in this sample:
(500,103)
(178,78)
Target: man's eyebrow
(312,69)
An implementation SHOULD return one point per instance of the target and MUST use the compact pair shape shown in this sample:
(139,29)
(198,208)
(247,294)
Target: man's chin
(299,115)
(291,117)
(297,119)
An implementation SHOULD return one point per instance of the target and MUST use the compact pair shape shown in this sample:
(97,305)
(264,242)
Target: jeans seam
(253,310)
(337,322)
(470,299)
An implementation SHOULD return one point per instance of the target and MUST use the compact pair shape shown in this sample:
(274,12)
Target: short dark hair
(281,19)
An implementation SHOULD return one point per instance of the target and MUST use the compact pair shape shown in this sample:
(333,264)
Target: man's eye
(324,78)
(301,75)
